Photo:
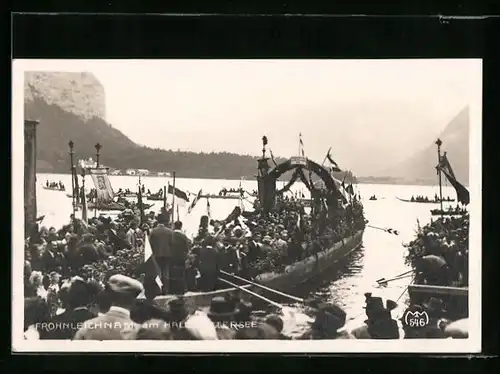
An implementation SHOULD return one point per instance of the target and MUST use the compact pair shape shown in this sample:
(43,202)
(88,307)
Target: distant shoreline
(361,180)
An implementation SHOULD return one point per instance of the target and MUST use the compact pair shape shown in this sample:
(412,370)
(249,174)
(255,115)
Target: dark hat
(177,308)
(220,308)
(52,237)
(434,305)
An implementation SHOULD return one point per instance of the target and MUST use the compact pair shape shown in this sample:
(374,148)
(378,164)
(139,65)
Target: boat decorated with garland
(331,229)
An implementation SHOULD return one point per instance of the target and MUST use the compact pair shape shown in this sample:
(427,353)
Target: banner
(102,185)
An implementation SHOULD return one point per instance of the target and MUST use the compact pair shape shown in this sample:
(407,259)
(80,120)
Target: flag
(150,267)
(462,192)
(301,145)
(209,213)
(334,165)
(84,205)
(179,193)
(350,189)
(264,140)
(445,166)
(195,200)
(102,184)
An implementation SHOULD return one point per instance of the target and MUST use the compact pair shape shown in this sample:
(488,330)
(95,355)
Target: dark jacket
(50,261)
(161,240)
(68,323)
(208,260)
(180,248)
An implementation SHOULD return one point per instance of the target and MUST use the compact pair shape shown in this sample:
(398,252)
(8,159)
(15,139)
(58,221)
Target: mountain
(70,106)
(420,168)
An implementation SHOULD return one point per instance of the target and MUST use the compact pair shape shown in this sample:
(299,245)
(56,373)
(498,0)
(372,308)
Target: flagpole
(438,143)
(173,200)
(327,153)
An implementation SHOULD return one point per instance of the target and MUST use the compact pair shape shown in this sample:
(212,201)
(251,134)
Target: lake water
(381,255)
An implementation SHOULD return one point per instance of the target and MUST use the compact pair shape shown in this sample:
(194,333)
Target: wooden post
(438,143)
(173,200)
(30,209)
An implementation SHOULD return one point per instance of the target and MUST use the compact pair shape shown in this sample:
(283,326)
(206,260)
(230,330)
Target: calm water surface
(381,255)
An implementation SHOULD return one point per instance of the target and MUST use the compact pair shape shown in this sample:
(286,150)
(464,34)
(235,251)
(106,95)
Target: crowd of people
(90,281)
(440,252)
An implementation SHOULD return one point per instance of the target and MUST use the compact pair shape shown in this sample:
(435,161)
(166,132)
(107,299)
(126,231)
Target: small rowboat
(227,197)
(425,201)
(453,212)
(298,273)
(54,188)
(154,197)
(107,206)
(132,194)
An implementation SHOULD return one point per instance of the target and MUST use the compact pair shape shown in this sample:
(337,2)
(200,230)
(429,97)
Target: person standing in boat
(161,240)
(208,264)
(180,250)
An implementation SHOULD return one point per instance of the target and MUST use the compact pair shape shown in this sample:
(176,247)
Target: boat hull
(455,298)
(227,197)
(425,202)
(54,189)
(154,198)
(447,213)
(293,276)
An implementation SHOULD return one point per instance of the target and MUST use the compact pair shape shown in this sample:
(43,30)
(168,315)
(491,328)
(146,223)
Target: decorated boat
(291,277)
(373,198)
(324,201)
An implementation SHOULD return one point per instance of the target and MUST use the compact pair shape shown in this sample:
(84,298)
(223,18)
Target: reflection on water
(382,254)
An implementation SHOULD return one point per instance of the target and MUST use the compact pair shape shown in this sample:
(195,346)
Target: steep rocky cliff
(78,93)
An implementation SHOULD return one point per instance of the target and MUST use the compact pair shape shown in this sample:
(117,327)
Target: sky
(373,113)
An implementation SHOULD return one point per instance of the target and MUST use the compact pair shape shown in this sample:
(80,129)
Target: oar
(387,230)
(295,298)
(385,281)
(396,276)
(251,293)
